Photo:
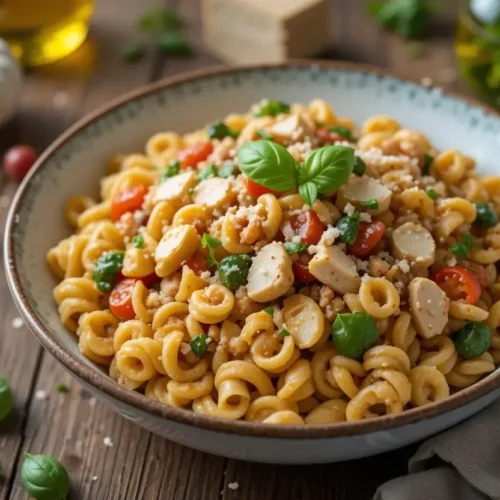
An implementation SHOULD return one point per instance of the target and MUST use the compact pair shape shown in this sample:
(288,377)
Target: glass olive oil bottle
(42,31)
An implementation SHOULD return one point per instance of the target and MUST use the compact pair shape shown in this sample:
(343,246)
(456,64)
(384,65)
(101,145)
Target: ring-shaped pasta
(328,412)
(264,355)
(248,372)
(212,304)
(139,359)
(264,406)
(428,385)
(379,297)
(378,394)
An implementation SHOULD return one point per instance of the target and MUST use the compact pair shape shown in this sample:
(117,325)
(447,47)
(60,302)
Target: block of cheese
(253,31)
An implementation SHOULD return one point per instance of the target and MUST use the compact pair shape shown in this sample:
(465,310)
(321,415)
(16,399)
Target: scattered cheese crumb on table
(107,441)
(17,323)
(233,486)
(40,395)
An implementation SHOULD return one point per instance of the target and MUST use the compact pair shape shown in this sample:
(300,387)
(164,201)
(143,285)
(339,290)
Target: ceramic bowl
(76,161)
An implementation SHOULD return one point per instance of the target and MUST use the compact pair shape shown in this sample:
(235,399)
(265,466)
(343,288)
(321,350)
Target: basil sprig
(208,241)
(6,399)
(272,166)
(44,477)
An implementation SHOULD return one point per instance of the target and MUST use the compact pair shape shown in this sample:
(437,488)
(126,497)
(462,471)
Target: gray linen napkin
(466,461)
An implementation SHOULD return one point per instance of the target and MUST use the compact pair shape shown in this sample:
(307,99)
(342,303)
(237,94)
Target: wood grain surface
(73,425)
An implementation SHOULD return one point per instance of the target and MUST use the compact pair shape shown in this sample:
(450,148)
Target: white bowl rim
(102,382)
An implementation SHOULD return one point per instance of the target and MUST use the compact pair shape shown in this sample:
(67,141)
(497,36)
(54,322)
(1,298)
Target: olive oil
(43,31)
(477,48)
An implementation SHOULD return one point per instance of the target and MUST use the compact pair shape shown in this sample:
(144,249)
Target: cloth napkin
(462,463)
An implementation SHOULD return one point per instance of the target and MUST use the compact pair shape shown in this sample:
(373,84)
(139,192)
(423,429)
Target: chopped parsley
(269,310)
(138,241)
(371,204)
(284,332)
(170,170)
(208,241)
(292,247)
(199,344)
(432,194)
(428,159)
(226,169)
(209,171)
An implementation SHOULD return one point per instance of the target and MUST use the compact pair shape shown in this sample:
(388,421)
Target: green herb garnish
(370,204)
(208,241)
(173,42)
(233,270)
(284,332)
(106,269)
(269,310)
(408,18)
(432,194)
(209,171)
(292,247)
(62,388)
(138,241)
(199,344)
(132,52)
(428,159)
(472,340)
(353,334)
(359,167)
(219,130)
(348,227)
(344,132)
(226,170)
(171,170)
(461,248)
(6,399)
(159,19)
(272,108)
(44,477)
(486,215)
(263,135)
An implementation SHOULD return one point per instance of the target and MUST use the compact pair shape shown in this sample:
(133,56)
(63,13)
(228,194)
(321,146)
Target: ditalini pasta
(283,266)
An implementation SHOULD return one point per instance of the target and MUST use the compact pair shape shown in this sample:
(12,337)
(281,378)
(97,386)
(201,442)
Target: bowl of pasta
(289,263)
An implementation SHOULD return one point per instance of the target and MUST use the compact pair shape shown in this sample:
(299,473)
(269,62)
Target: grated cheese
(404,266)
(365,217)
(349,209)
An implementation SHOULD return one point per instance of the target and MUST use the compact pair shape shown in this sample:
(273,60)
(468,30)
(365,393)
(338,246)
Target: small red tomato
(458,283)
(150,279)
(369,234)
(301,272)
(254,189)
(328,136)
(18,160)
(120,300)
(197,263)
(192,155)
(308,226)
(128,200)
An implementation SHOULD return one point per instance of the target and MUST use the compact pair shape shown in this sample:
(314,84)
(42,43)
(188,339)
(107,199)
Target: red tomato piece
(18,160)
(254,189)
(301,272)
(120,300)
(308,226)
(328,136)
(458,283)
(369,234)
(197,263)
(128,200)
(192,155)
(150,279)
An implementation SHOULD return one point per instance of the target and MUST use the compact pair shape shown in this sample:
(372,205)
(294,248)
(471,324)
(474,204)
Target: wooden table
(72,426)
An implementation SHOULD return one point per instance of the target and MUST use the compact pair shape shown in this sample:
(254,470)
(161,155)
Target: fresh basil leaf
(44,477)
(272,108)
(370,204)
(6,399)
(344,132)
(328,167)
(284,332)
(269,310)
(208,241)
(62,388)
(309,192)
(138,241)
(432,194)
(226,170)
(354,333)
(219,130)
(106,269)
(170,171)
(268,164)
(173,42)
(359,167)
(348,227)
(199,344)
(209,171)
(292,247)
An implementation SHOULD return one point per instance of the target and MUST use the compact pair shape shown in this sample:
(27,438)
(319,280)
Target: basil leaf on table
(268,164)
(44,477)
(6,399)
(328,167)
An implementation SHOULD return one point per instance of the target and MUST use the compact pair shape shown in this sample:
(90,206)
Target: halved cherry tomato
(328,136)
(128,200)
(197,263)
(120,300)
(369,234)
(192,155)
(254,189)
(308,226)
(458,283)
(301,272)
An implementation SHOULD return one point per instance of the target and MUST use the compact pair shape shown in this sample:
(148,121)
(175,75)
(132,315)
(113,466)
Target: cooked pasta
(237,271)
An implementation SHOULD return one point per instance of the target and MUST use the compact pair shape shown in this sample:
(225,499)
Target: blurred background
(61,59)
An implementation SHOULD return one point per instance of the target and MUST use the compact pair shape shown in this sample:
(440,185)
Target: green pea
(233,270)
(354,333)
(472,340)
(485,215)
